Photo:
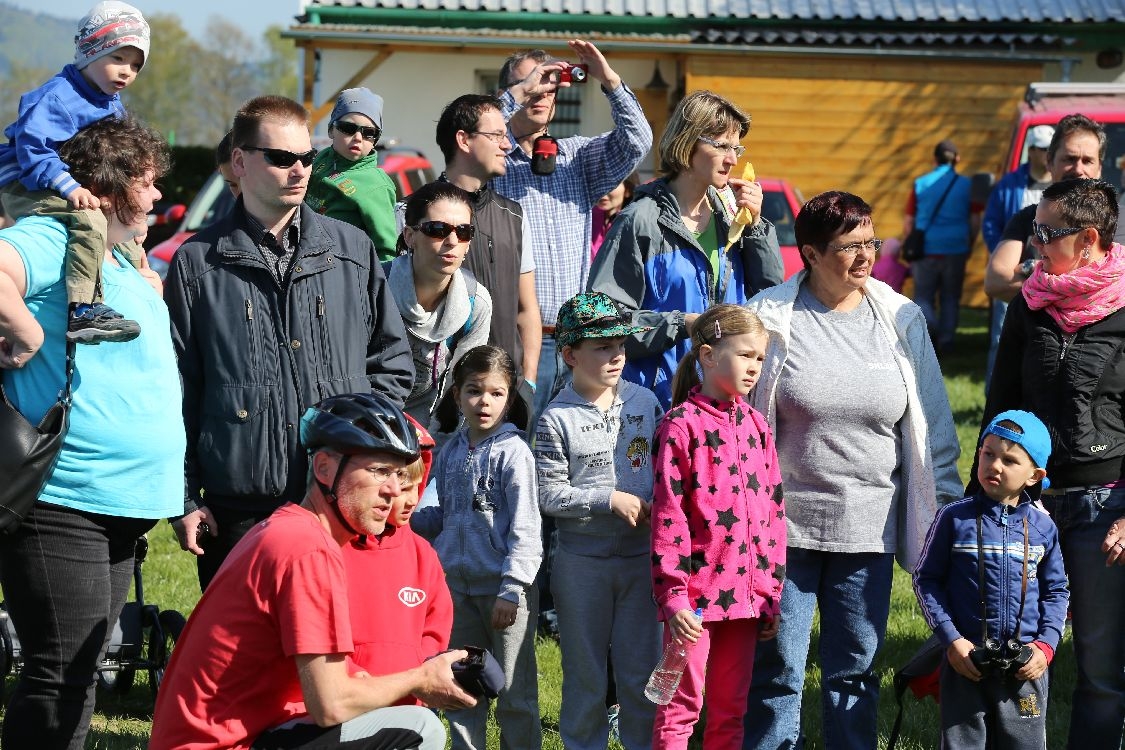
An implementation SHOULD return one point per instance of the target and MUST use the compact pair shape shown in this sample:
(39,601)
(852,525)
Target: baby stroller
(143,639)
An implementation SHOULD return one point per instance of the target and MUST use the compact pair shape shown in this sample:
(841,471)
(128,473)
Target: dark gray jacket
(253,355)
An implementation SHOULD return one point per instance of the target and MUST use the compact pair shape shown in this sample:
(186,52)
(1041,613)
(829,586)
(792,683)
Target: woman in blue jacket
(668,256)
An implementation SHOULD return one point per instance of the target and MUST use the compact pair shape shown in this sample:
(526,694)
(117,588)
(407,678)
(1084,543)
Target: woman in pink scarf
(1062,357)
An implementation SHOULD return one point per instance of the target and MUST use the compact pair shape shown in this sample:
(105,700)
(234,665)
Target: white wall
(416,87)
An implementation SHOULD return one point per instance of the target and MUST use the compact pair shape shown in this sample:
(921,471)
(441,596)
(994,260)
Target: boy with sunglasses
(347,183)
(992,586)
(112,46)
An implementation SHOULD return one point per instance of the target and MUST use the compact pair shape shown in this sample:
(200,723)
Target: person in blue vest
(940,204)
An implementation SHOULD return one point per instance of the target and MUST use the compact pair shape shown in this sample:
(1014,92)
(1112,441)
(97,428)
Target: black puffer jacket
(253,356)
(1076,385)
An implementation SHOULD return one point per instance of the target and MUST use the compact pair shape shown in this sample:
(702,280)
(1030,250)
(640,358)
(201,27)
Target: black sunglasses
(1046,235)
(279,157)
(350,128)
(439,230)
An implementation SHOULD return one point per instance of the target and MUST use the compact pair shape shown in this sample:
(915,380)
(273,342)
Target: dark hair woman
(1061,358)
(66,570)
(865,440)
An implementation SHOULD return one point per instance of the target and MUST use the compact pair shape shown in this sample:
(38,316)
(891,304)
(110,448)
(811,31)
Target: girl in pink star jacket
(718,527)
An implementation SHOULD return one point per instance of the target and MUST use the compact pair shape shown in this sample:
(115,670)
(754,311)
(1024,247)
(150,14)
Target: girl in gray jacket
(486,530)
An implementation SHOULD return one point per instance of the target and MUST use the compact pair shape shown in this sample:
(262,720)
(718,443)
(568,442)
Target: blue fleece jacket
(486,527)
(48,116)
(1004,202)
(946,579)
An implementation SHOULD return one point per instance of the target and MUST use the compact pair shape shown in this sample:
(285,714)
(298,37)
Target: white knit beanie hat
(109,25)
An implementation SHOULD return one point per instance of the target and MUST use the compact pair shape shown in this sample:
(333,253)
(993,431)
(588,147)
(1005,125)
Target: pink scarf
(1082,296)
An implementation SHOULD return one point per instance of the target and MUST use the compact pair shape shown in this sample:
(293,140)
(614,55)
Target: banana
(743,218)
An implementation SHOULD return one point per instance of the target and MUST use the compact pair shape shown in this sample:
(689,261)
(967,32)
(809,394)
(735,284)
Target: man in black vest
(472,136)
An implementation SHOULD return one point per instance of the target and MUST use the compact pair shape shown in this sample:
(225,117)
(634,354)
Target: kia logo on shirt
(411,597)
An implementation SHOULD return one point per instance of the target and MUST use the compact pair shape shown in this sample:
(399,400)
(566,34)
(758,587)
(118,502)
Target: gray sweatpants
(998,713)
(604,601)
(517,707)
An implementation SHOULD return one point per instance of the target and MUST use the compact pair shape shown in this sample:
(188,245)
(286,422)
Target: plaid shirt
(559,206)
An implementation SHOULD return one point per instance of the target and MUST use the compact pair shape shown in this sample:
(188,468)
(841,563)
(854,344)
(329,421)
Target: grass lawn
(122,722)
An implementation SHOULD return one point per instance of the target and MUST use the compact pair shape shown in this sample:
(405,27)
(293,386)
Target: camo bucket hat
(593,315)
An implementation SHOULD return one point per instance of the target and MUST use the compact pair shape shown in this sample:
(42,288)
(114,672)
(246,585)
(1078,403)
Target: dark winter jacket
(254,355)
(1076,385)
(947,579)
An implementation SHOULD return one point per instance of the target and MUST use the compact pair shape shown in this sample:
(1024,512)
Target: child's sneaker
(93,324)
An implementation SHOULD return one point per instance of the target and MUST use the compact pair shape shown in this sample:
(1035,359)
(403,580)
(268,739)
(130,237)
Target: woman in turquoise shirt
(66,570)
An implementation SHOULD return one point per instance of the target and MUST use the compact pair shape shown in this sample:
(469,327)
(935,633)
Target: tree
(228,70)
(167,91)
(279,67)
(18,81)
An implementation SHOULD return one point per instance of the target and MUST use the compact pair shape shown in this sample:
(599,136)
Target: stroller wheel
(116,680)
(160,645)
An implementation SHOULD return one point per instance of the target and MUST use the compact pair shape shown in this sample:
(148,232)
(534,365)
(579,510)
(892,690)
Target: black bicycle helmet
(359,423)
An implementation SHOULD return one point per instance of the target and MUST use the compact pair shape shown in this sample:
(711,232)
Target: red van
(408,169)
(1047,103)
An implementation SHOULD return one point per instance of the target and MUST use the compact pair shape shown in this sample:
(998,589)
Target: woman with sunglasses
(1061,358)
(346,182)
(445,311)
(668,255)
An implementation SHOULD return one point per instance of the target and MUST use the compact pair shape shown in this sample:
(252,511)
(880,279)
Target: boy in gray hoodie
(593,449)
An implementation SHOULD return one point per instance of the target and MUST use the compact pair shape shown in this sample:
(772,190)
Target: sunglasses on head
(439,230)
(350,128)
(279,157)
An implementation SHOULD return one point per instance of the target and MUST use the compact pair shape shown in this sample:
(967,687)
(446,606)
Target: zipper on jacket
(320,305)
(249,310)
(1067,340)
(1002,624)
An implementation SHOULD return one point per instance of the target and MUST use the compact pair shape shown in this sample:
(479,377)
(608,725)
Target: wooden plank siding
(868,125)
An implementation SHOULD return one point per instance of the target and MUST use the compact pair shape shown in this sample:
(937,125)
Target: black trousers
(66,575)
(233,525)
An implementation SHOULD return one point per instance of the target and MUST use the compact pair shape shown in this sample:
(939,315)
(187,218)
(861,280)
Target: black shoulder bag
(28,453)
(914,246)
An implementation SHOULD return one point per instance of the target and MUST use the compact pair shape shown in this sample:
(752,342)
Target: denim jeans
(939,278)
(66,575)
(999,310)
(853,593)
(1097,606)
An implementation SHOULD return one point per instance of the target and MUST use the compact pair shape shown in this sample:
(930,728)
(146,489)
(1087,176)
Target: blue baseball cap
(1034,437)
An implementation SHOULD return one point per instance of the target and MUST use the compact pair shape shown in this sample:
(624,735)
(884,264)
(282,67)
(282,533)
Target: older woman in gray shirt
(867,447)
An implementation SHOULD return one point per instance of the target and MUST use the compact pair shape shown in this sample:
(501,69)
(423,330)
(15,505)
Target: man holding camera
(558,181)
(263,661)
(992,586)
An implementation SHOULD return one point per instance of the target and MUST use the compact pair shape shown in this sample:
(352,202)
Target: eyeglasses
(439,230)
(497,137)
(350,128)
(734,148)
(1046,235)
(383,473)
(279,157)
(872,245)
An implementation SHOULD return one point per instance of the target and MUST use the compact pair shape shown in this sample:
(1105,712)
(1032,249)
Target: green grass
(122,722)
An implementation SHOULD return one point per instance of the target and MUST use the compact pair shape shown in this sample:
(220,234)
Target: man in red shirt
(263,661)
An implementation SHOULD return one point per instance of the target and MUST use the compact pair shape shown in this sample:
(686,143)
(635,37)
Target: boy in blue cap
(992,586)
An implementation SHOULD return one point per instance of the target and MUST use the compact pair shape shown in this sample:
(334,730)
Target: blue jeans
(1097,606)
(999,310)
(853,593)
(939,278)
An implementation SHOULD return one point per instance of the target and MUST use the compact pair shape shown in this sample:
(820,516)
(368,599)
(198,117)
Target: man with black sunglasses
(273,309)
(347,182)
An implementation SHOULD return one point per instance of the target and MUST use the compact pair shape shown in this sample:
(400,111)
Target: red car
(408,169)
(780,204)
